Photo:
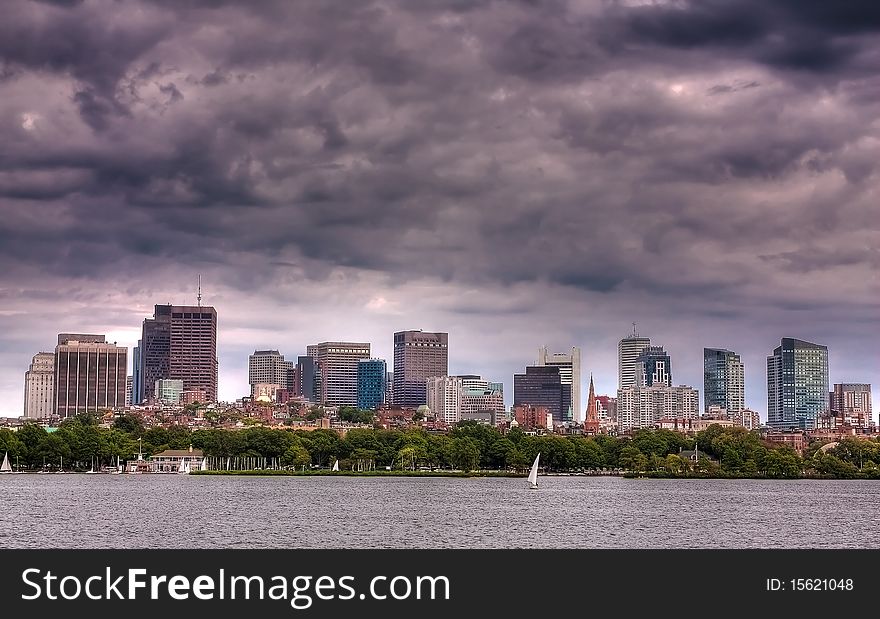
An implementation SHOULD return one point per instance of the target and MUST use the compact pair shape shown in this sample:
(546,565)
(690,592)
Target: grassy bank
(324,472)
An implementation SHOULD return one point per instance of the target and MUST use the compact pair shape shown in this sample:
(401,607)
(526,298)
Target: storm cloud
(517,173)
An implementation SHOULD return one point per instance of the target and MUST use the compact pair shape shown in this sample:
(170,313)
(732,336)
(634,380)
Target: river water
(180,511)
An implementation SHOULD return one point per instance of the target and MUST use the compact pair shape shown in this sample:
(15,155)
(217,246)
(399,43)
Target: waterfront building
(418,356)
(180,342)
(628,351)
(643,407)
(723,380)
(653,366)
(89,374)
(541,386)
(569,365)
(170,460)
(337,363)
(852,402)
(371,386)
(444,398)
(39,386)
(797,385)
(168,391)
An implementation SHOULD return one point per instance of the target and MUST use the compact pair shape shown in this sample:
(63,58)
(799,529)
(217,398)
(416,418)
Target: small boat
(533,474)
(183,467)
(336,465)
(6,467)
(92,469)
(204,464)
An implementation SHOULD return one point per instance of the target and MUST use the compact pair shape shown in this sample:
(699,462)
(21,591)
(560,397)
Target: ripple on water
(176,511)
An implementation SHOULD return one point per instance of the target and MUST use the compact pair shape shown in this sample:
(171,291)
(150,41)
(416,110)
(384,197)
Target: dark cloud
(715,157)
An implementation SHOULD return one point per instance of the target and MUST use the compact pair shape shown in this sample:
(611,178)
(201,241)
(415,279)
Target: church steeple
(591,420)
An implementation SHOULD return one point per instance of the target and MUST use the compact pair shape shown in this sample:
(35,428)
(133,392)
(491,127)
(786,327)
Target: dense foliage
(723,452)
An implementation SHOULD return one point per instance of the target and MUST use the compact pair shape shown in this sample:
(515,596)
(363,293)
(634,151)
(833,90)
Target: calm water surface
(179,511)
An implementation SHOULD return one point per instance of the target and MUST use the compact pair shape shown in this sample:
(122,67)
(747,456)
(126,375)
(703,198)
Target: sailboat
(5,467)
(336,465)
(92,469)
(533,474)
(204,464)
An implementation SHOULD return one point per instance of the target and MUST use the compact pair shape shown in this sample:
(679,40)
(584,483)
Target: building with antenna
(628,351)
(180,342)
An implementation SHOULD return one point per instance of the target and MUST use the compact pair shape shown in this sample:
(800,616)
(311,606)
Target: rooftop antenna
(199,297)
(634,330)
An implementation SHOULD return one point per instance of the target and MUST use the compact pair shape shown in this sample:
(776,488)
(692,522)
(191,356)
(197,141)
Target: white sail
(533,474)
(6,468)
(180,467)
(336,465)
(204,464)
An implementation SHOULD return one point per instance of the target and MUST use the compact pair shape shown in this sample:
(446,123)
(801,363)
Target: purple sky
(514,173)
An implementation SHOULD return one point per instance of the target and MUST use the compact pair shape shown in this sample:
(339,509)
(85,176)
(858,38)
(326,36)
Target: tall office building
(723,381)
(39,386)
(307,379)
(137,369)
(418,356)
(541,386)
(479,395)
(853,401)
(337,363)
(628,351)
(89,374)
(569,365)
(372,375)
(443,394)
(653,366)
(180,342)
(129,381)
(643,407)
(269,367)
(389,388)
(797,384)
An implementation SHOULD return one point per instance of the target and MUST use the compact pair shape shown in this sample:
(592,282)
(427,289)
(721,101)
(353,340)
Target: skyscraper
(269,367)
(653,366)
(723,381)
(39,386)
(137,369)
(306,384)
(541,386)
(180,342)
(371,377)
(418,356)
(797,384)
(337,363)
(569,365)
(443,395)
(628,351)
(89,374)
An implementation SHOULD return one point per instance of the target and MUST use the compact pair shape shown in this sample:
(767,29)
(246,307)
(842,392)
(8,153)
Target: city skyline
(515,174)
(697,385)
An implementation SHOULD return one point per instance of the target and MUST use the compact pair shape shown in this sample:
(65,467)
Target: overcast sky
(514,173)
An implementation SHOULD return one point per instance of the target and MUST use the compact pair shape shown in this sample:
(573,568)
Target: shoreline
(380,473)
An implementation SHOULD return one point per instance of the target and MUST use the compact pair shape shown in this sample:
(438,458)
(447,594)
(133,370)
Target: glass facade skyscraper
(371,377)
(797,384)
(723,380)
(653,366)
(542,386)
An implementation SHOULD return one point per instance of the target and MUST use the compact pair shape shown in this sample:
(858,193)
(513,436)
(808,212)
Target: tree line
(723,452)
